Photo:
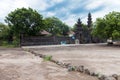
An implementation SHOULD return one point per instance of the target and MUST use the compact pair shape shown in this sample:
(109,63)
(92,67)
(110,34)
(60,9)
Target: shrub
(47,58)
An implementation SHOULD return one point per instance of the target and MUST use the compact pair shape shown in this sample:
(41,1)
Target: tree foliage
(56,26)
(24,20)
(84,26)
(107,27)
(4,30)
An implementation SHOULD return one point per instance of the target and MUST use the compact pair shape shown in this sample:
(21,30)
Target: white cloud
(56,1)
(6,6)
(93,4)
(109,7)
(20,4)
(53,2)
(49,14)
(37,4)
(70,20)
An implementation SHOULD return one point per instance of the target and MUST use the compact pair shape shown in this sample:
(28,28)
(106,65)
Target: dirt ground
(16,64)
(98,58)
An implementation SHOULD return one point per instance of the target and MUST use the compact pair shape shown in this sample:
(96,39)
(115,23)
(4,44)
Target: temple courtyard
(99,58)
(19,64)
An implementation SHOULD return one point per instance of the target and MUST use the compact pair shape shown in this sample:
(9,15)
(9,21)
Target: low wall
(38,40)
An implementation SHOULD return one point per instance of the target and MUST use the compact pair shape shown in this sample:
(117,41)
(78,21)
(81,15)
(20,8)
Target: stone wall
(38,40)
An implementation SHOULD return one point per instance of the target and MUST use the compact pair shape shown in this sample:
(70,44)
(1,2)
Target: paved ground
(99,58)
(16,64)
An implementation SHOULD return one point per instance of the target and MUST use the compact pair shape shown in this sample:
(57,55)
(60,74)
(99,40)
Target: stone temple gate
(83,33)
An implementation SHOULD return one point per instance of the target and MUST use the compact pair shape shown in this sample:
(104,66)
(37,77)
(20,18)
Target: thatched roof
(44,32)
(71,32)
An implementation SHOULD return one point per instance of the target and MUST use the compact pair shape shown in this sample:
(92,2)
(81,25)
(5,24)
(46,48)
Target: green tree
(107,27)
(4,31)
(65,29)
(56,26)
(27,21)
(84,26)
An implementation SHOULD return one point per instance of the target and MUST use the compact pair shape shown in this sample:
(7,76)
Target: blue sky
(66,10)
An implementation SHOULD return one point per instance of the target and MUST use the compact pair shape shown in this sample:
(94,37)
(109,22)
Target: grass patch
(47,58)
(6,44)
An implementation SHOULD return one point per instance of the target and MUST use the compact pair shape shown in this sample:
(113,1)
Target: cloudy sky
(66,10)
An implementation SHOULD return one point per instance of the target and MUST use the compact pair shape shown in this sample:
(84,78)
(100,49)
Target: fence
(38,40)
